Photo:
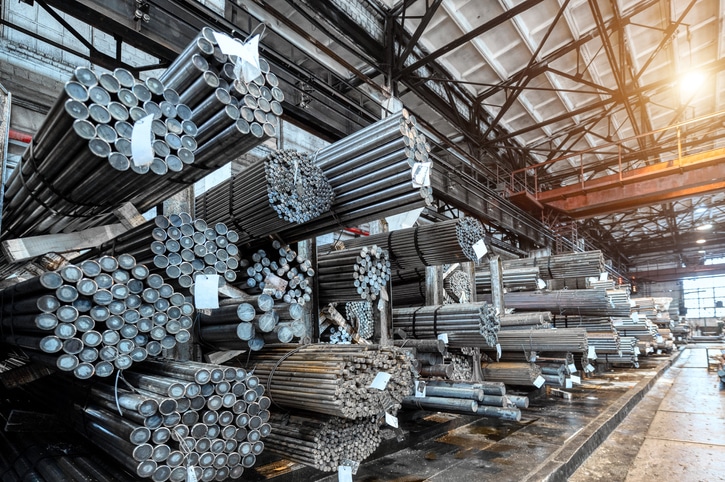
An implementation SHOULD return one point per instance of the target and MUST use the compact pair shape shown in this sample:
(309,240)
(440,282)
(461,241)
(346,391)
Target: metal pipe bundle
(457,286)
(592,302)
(531,319)
(511,373)
(488,387)
(462,367)
(590,323)
(514,279)
(604,342)
(555,340)
(642,329)
(295,189)
(409,294)
(322,442)
(446,242)
(628,353)
(466,324)
(562,266)
(95,317)
(360,313)
(351,274)
(333,379)
(370,174)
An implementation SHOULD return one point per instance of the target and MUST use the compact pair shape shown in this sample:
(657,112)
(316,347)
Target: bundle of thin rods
(466,324)
(592,302)
(511,373)
(433,244)
(514,279)
(96,317)
(370,174)
(295,189)
(166,418)
(360,313)
(352,274)
(333,379)
(322,442)
(562,266)
(457,287)
(531,319)
(555,340)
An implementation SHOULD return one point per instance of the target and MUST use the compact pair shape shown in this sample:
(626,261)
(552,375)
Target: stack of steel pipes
(514,279)
(80,163)
(409,294)
(333,379)
(462,367)
(370,174)
(531,319)
(295,189)
(277,269)
(466,324)
(555,340)
(592,302)
(590,323)
(322,442)
(360,313)
(573,284)
(456,397)
(511,373)
(351,274)
(642,329)
(619,301)
(457,286)
(628,353)
(563,266)
(433,244)
(604,342)
(239,324)
(168,418)
(95,317)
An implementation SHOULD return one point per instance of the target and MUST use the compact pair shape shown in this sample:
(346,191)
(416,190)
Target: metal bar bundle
(590,323)
(409,294)
(627,353)
(95,317)
(295,189)
(511,373)
(604,342)
(333,379)
(642,329)
(555,340)
(370,174)
(322,442)
(457,286)
(562,266)
(531,319)
(466,324)
(446,242)
(592,302)
(360,313)
(167,417)
(351,274)
(514,279)
(462,367)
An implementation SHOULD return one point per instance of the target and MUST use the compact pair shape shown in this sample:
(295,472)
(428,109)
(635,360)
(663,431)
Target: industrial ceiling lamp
(704,227)
(700,241)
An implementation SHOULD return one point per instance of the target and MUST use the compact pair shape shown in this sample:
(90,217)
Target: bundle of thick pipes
(370,174)
(511,373)
(466,324)
(563,266)
(295,189)
(239,324)
(333,379)
(467,398)
(433,244)
(555,340)
(553,373)
(95,317)
(351,274)
(495,403)
(530,319)
(170,418)
(514,279)
(592,302)
(322,442)
(457,286)
(277,269)
(360,313)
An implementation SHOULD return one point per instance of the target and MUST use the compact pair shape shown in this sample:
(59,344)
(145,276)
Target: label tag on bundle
(206,291)
(419,389)
(540,283)
(191,475)
(571,367)
(247,65)
(576,379)
(444,337)
(350,463)
(384,294)
(142,153)
(635,317)
(498,350)
(539,382)
(659,352)
(344,473)
(592,352)
(381,381)
(568,384)
(589,368)
(636,350)
(227,44)
(273,283)
(391,420)
(479,247)
(421,174)
(603,276)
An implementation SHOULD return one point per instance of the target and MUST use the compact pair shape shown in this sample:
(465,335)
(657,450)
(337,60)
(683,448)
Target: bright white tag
(142,153)
(636,350)
(659,352)
(498,351)
(568,384)
(421,174)
(576,379)
(572,368)
(247,65)
(206,291)
(539,382)
(479,247)
(540,283)
(227,44)
(444,337)
(384,294)
(391,420)
(635,317)
(275,283)
(589,368)
(592,355)
(603,276)
(381,381)
(344,473)
(191,475)
(419,389)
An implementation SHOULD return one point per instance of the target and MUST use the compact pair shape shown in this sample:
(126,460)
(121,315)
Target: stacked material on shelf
(514,279)
(628,353)
(512,373)
(552,341)
(352,274)
(592,302)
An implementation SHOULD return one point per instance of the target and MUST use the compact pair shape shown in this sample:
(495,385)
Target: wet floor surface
(443,448)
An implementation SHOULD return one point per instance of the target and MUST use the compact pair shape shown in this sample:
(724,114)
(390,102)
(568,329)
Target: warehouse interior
(398,240)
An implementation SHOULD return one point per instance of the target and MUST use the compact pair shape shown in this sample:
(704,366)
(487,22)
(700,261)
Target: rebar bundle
(333,379)
(322,442)
(514,279)
(96,317)
(370,174)
(466,324)
(446,242)
(457,286)
(604,342)
(295,189)
(168,418)
(351,274)
(592,302)
(360,313)
(555,340)
(511,373)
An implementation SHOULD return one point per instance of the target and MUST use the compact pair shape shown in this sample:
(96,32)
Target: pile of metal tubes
(96,317)
(490,399)
(351,274)
(555,340)
(562,266)
(592,302)
(514,279)
(360,313)
(174,417)
(457,286)
(628,353)
(322,442)
(642,329)
(530,319)
(511,373)
(333,379)
(295,189)
(466,324)
(370,174)
(239,324)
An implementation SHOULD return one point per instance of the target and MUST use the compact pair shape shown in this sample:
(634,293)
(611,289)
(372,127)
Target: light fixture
(702,251)
(690,83)
(704,227)
(700,241)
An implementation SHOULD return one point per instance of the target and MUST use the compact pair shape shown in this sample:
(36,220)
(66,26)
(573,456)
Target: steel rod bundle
(604,342)
(531,319)
(295,189)
(593,302)
(488,387)
(628,353)
(95,317)
(642,329)
(370,174)
(409,294)
(555,340)
(514,279)
(466,324)
(360,313)
(590,323)
(168,417)
(322,442)
(333,379)
(462,367)
(457,286)
(562,266)
(351,274)
(446,242)
(580,283)
(511,373)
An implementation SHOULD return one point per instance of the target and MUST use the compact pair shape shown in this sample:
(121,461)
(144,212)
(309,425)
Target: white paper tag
(635,317)
(592,352)
(247,64)
(384,294)
(589,368)
(632,303)
(344,473)
(572,368)
(498,350)
(391,420)
(540,283)
(479,247)
(421,174)
(659,352)
(636,350)
(227,44)
(206,291)
(142,153)
(191,475)
(381,381)
(576,379)
(275,283)
(539,382)
(444,337)
(419,389)
(603,276)
(568,384)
